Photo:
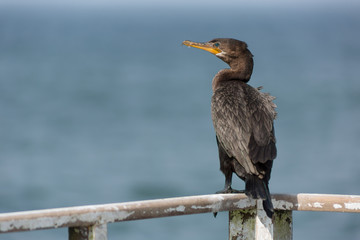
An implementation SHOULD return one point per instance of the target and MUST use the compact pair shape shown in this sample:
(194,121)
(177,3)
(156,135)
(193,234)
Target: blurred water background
(103,104)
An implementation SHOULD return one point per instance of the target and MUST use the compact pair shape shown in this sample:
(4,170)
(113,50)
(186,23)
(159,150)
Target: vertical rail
(283,225)
(254,224)
(263,225)
(94,232)
(242,224)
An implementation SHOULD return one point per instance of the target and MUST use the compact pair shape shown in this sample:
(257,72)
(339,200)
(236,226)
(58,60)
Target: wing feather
(243,122)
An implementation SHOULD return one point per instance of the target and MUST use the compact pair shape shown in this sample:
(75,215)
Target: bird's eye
(217,44)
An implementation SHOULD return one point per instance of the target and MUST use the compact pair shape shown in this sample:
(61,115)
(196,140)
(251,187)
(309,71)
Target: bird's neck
(229,74)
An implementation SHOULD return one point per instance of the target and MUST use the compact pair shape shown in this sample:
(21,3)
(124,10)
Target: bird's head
(234,52)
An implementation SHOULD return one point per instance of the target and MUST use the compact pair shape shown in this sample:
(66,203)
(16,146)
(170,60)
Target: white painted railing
(247,218)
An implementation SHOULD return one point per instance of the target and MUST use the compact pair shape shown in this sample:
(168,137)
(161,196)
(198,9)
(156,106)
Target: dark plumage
(243,121)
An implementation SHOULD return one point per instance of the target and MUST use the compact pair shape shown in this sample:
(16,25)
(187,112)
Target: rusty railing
(247,219)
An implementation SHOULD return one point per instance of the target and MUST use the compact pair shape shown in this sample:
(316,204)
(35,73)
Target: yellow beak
(204,46)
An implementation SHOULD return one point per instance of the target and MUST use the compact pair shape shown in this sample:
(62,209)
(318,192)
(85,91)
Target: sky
(184,3)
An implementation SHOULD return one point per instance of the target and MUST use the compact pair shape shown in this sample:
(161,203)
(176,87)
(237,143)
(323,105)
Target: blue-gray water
(105,105)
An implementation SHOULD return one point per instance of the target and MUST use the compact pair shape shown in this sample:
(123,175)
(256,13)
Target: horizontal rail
(317,202)
(116,212)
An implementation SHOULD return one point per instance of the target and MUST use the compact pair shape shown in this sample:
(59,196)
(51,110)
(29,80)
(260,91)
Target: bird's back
(243,121)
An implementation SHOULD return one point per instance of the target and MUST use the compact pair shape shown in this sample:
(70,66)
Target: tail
(257,188)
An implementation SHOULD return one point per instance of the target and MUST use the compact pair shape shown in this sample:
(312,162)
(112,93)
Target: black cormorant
(243,121)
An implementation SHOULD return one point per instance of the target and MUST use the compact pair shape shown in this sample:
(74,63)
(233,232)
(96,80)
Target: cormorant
(243,121)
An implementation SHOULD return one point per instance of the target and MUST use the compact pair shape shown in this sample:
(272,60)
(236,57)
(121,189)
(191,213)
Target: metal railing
(247,219)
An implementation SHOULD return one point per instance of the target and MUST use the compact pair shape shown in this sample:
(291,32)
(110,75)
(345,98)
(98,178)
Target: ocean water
(106,105)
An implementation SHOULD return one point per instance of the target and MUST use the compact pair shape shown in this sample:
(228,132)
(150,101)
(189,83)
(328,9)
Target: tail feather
(257,188)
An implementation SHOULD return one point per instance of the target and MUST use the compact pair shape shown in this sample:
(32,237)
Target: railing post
(94,232)
(254,224)
(283,225)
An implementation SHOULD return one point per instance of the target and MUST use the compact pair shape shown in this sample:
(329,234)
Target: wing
(240,117)
(262,146)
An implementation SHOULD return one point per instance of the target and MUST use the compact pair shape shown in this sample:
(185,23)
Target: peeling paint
(315,205)
(352,206)
(55,222)
(318,205)
(106,213)
(283,205)
(180,208)
(245,203)
(117,216)
(336,206)
(215,207)
(203,207)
